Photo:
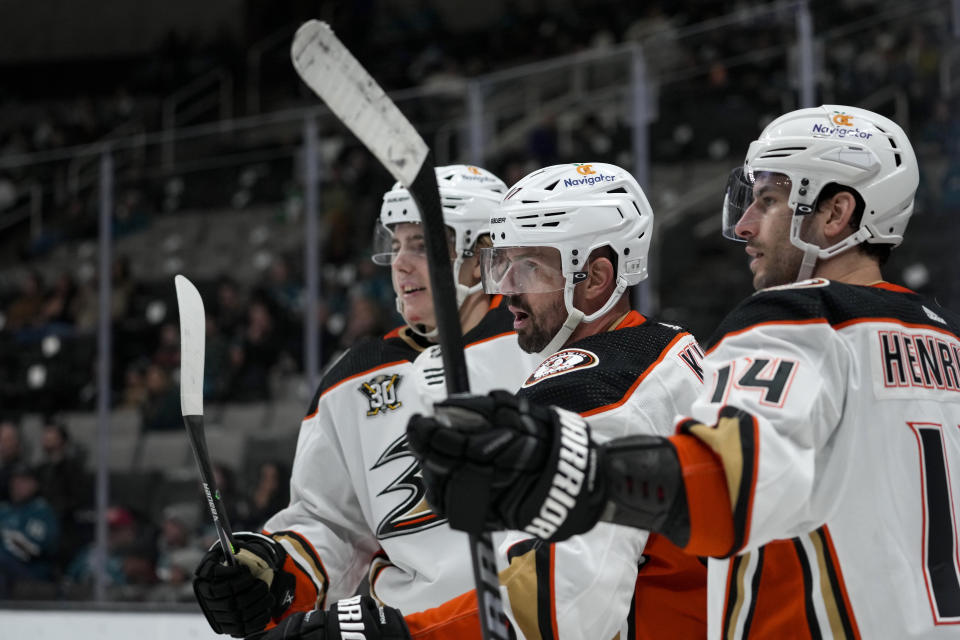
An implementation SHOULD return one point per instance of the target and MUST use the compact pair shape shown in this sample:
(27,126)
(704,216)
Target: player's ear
(600,277)
(838,211)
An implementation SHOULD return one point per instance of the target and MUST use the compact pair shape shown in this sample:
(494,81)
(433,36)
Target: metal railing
(212,92)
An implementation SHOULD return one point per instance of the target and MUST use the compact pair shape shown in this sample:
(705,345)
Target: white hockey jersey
(835,412)
(632,379)
(357,499)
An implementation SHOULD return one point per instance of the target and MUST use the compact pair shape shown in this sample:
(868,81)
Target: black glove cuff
(645,486)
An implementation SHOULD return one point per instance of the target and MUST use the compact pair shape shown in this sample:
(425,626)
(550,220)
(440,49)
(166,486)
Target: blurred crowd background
(203,114)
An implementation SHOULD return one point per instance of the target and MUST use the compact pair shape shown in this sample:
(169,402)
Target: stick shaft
(335,75)
(450,336)
(218,510)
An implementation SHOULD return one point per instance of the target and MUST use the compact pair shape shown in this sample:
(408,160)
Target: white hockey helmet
(838,144)
(468,196)
(574,208)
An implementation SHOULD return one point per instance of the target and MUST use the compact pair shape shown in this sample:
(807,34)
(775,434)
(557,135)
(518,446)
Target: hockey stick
(335,75)
(193,327)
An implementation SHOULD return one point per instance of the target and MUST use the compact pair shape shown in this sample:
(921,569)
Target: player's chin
(530,340)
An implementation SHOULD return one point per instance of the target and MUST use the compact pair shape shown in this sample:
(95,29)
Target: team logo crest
(381,393)
(413,513)
(562,362)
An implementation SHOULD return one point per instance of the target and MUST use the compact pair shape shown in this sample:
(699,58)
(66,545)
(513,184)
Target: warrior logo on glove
(500,462)
(356,618)
(567,480)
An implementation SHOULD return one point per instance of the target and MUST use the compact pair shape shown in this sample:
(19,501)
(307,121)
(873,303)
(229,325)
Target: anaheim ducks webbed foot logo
(413,514)
(381,391)
(562,362)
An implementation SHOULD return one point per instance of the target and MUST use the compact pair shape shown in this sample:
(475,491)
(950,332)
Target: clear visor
(403,238)
(386,247)
(514,270)
(743,188)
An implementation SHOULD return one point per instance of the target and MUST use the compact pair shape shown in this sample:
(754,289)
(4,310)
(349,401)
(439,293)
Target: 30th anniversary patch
(381,392)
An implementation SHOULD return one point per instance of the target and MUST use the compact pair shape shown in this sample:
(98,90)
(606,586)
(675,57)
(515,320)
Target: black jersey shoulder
(622,356)
(835,303)
(367,354)
(496,321)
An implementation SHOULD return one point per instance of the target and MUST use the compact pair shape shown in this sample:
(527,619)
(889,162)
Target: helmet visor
(513,270)
(385,246)
(402,238)
(748,191)
(388,246)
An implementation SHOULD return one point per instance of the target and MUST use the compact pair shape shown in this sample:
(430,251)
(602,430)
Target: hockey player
(357,500)
(569,240)
(819,466)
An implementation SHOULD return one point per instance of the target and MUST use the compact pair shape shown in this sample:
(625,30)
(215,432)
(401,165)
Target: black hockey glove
(499,462)
(356,618)
(241,599)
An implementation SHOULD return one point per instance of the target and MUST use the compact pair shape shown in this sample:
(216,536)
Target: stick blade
(335,75)
(193,329)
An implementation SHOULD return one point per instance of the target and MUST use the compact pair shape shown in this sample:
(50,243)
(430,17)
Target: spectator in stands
(64,485)
(167,354)
(160,410)
(86,309)
(216,366)
(26,307)
(283,291)
(176,577)
(229,308)
(129,216)
(11,454)
(122,288)
(28,533)
(123,531)
(363,320)
(178,552)
(271,493)
(134,385)
(254,354)
(58,304)
(139,571)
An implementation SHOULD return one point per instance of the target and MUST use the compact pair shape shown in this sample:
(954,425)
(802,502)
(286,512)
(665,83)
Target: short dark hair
(880,252)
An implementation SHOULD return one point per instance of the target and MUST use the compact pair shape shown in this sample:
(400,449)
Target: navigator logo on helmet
(557,207)
(468,196)
(847,146)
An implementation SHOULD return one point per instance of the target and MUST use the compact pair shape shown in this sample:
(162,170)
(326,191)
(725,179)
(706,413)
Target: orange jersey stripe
(909,325)
(359,375)
(766,324)
(553,591)
(499,335)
